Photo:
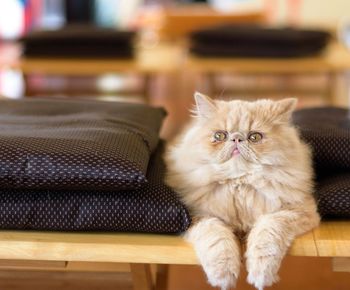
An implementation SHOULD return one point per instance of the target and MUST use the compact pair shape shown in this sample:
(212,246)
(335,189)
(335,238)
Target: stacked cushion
(327,131)
(84,166)
(257,41)
(154,208)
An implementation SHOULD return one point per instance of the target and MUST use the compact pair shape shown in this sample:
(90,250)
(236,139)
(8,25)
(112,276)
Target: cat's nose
(237,140)
(237,137)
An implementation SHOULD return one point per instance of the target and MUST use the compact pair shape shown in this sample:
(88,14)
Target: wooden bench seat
(46,250)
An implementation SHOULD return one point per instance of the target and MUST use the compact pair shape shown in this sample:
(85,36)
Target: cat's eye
(220,136)
(255,137)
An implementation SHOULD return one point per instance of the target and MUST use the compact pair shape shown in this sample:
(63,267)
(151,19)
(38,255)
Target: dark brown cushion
(333,195)
(85,145)
(257,41)
(327,130)
(154,208)
(79,41)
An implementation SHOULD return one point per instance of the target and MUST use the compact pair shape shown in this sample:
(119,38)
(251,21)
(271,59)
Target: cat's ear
(205,107)
(285,108)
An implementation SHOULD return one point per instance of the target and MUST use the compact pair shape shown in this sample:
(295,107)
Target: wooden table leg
(141,276)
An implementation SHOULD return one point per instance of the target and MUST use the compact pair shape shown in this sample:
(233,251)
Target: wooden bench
(44,250)
(333,62)
(165,58)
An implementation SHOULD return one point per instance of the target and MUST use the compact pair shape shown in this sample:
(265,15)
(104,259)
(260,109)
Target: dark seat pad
(76,145)
(333,195)
(327,130)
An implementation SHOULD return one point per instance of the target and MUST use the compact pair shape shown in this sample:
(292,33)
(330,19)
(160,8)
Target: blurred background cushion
(257,41)
(80,41)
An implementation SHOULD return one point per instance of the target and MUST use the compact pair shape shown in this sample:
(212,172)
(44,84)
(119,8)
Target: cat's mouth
(235,152)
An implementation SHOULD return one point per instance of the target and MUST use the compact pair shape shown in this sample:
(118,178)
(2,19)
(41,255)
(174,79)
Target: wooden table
(57,250)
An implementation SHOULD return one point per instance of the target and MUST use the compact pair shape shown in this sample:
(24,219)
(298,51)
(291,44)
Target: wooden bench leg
(162,277)
(147,87)
(141,276)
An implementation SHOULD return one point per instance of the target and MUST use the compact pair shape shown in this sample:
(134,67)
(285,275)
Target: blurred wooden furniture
(50,250)
(333,61)
(181,20)
(164,58)
(172,58)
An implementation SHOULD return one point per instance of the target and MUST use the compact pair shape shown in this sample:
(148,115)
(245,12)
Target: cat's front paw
(218,251)
(265,251)
(262,271)
(223,272)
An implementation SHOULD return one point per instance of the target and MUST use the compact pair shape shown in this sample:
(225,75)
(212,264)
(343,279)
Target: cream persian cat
(243,171)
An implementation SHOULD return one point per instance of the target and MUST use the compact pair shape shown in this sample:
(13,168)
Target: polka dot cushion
(333,194)
(76,145)
(327,130)
(154,208)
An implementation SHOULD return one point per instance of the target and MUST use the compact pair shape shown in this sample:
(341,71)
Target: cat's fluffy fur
(264,192)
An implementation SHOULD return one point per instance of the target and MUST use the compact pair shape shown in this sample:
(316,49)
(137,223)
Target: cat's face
(240,131)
